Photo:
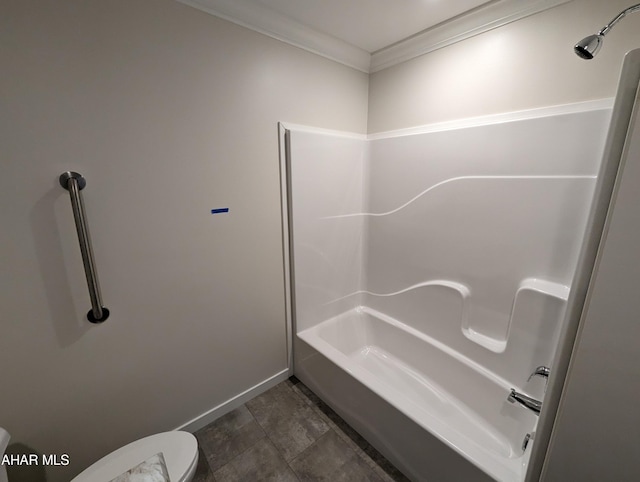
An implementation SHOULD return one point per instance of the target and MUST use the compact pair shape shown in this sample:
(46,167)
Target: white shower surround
(433,267)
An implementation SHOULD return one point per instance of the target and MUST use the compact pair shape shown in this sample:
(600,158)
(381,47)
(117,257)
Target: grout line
(264,430)
(282,455)
(245,450)
(307,448)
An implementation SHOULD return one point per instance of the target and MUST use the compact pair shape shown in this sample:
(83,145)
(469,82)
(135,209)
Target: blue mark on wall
(219,210)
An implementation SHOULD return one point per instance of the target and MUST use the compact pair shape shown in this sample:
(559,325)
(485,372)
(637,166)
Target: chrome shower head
(588,47)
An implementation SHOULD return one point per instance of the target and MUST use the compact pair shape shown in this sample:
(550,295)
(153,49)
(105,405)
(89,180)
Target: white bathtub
(456,400)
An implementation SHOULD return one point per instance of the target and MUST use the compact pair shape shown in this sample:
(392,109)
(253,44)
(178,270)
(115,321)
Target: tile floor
(288,434)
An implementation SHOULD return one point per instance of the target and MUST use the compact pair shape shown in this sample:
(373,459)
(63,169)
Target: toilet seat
(180,450)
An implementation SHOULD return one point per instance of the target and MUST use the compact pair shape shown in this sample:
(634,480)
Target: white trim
(535,113)
(586,106)
(286,250)
(319,130)
(216,412)
(258,17)
(459,28)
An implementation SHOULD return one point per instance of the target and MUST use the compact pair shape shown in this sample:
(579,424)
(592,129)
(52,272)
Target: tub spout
(531,403)
(541,371)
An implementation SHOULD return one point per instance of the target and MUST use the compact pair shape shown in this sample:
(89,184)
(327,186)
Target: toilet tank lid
(180,451)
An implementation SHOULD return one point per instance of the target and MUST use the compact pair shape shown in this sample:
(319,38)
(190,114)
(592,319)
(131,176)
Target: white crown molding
(260,18)
(269,22)
(464,26)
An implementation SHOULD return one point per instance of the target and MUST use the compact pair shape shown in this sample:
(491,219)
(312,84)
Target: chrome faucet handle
(531,403)
(541,371)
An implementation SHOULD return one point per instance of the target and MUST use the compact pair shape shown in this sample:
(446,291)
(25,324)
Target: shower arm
(605,30)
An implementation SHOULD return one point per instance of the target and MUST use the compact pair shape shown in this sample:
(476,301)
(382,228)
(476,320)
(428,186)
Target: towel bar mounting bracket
(65,176)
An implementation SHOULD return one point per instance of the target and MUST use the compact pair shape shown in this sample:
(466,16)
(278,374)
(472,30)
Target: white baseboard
(233,403)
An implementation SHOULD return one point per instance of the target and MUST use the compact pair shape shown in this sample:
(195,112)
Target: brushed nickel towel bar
(74,183)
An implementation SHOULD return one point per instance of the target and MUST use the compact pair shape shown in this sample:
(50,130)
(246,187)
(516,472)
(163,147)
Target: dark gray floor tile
(331,459)
(341,426)
(229,436)
(261,462)
(289,422)
(236,448)
(203,471)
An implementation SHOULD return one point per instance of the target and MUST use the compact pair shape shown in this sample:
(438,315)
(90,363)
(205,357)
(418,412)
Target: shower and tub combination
(432,268)
(430,275)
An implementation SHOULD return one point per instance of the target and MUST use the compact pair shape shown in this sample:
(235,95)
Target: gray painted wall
(168,112)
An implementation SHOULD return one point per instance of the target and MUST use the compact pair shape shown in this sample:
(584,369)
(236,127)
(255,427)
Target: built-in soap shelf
(538,309)
(488,342)
(543,287)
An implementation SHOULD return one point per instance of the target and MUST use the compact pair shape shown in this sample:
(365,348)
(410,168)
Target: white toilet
(179,449)
(4,441)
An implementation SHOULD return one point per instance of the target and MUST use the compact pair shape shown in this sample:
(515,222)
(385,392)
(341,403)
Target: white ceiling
(371,24)
(371,35)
